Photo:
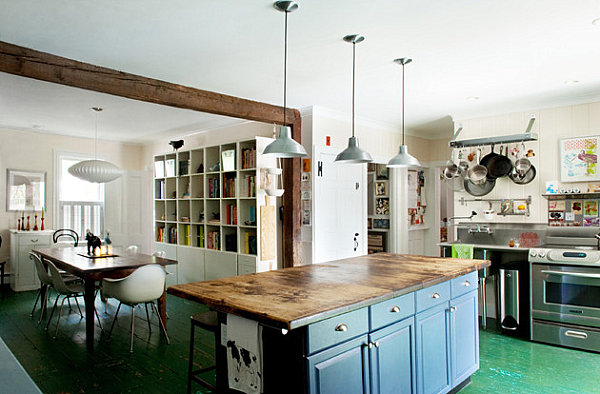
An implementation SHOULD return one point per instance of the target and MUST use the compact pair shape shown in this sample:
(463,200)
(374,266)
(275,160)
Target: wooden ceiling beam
(44,66)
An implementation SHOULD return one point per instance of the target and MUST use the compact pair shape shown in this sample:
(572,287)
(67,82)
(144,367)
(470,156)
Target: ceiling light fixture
(284,146)
(403,158)
(353,154)
(472,98)
(596,22)
(96,171)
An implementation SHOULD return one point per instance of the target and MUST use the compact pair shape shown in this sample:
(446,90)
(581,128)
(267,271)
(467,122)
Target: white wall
(552,125)
(26,150)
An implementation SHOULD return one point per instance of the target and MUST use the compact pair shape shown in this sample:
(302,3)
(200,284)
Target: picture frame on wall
(579,159)
(381,188)
(25,190)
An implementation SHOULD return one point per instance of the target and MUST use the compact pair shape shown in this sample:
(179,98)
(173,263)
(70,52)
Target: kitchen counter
(488,246)
(295,297)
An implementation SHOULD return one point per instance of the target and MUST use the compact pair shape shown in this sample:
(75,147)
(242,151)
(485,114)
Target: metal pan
(526,178)
(486,159)
(479,190)
(499,166)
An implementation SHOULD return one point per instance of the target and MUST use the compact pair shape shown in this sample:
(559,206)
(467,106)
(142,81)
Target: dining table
(121,263)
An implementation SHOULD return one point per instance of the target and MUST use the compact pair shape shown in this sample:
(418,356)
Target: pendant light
(96,171)
(284,146)
(353,154)
(403,158)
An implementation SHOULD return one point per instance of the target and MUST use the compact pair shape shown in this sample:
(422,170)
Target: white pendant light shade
(96,171)
(403,159)
(284,146)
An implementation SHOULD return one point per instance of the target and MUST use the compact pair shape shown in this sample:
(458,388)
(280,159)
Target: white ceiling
(513,54)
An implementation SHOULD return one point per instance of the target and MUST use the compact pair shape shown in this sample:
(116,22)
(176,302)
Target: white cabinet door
(219,264)
(190,267)
(26,276)
(340,207)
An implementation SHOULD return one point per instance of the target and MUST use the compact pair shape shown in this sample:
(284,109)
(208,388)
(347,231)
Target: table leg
(89,298)
(162,308)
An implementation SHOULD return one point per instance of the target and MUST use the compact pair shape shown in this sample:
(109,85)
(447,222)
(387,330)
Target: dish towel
(244,358)
(462,251)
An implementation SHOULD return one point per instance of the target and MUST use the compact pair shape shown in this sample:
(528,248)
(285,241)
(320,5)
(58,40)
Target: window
(80,203)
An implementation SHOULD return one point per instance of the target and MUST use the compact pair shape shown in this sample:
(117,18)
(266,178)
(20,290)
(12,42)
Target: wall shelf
(572,196)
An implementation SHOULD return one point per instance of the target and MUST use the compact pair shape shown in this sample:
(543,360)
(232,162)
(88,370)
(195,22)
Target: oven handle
(576,274)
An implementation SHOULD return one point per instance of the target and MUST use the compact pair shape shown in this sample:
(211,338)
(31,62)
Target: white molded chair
(45,279)
(145,285)
(132,249)
(68,291)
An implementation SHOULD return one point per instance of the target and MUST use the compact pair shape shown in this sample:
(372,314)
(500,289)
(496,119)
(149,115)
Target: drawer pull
(341,327)
(395,309)
(435,295)
(466,283)
(576,334)
(33,240)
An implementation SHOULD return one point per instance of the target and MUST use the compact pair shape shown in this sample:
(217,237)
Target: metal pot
(522,165)
(477,173)
(479,190)
(525,178)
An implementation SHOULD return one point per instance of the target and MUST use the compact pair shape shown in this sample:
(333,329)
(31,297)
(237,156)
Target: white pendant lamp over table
(403,158)
(353,154)
(96,171)
(284,146)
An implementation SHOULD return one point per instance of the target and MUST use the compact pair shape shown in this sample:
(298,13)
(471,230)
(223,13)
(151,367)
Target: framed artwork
(381,223)
(579,159)
(381,188)
(382,206)
(25,190)
(381,171)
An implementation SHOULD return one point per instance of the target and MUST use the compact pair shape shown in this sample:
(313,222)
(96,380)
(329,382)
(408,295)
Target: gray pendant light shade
(403,158)
(353,154)
(284,146)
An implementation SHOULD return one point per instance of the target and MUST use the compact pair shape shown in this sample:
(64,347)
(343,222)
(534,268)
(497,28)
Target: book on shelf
(187,238)
(170,167)
(173,235)
(213,188)
(159,169)
(230,242)
(231,214)
(248,158)
(200,237)
(249,243)
(228,187)
(250,185)
(161,192)
(228,159)
(160,233)
(213,240)
(184,167)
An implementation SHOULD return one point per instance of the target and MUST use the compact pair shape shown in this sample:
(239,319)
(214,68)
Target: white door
(340,207)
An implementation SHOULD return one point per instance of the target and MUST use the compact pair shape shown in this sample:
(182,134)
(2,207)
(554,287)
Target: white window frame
(59,205)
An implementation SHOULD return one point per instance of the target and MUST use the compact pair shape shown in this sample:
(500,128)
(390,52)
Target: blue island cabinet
(423,342)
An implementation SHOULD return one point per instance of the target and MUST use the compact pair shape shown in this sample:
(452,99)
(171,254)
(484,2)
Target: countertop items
(295,297)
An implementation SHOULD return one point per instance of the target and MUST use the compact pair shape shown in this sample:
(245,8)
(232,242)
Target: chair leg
(114,320)
(148,317)
(191,360)
(52,313)
(59,315)
(44,306)
(69,302)
(161,323)
(39,294)
(78,307)
(132,328)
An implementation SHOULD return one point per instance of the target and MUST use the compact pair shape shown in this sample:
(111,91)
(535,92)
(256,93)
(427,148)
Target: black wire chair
(66,232)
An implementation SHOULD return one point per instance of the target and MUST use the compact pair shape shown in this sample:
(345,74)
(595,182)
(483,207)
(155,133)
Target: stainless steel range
(565,296)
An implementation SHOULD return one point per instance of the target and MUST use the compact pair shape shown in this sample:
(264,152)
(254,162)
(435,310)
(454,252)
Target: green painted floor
(508,365)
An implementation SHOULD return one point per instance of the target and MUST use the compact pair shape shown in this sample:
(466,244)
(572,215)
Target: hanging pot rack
(503,139)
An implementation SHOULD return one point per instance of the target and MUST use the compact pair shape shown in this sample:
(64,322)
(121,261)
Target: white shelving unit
(378,200)
(207,210)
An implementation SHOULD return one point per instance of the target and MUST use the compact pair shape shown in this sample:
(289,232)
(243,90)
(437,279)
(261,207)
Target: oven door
(566,294)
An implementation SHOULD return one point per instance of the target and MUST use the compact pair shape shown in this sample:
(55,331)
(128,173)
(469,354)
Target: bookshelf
(378,208)
(208,200)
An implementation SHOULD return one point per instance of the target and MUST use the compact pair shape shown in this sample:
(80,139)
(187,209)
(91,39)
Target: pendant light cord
(353,81)
(96,136)
(403,104)
(285,67)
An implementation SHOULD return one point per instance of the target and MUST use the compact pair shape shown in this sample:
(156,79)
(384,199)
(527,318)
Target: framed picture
(382,206)
(305,194)
(381,223)
(305,177)
(25,190)
(381,171)
(579,159)
(381,188)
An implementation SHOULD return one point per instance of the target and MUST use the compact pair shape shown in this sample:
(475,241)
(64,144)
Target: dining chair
(145,285)
(2,266)
(45,279)
(68,291)
(66,233)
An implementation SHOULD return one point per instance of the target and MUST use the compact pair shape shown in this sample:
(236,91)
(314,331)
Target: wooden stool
(207,321)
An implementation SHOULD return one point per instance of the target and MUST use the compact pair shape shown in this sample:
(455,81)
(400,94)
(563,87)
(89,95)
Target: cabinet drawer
(337,329)
(434,295)
(34,240)
(391,311)
(464,284)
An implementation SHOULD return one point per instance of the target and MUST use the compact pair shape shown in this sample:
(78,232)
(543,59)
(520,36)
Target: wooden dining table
(74,260)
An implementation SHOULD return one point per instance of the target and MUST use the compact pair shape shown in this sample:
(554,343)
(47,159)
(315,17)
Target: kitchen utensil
(479,190)
(530,153)
(525,178)
(499,166)
(477,174)
(458,184)
(463,167)
(522,165)
(451,169)
(471,156)
(486,159)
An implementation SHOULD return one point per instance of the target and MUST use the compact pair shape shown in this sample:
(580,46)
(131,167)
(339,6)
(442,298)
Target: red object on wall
(328,140)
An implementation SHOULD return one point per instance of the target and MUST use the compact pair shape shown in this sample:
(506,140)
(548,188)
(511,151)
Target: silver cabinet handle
(466,283)
(576,274)
(452,308)
(376,344)
(576,334)
(395,309)
(435,295)
(341,327)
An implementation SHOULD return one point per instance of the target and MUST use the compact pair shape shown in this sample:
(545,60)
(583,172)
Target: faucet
(486,229)
(475,229)
(473,213)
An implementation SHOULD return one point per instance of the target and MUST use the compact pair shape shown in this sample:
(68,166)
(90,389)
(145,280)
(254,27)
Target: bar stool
(207,321)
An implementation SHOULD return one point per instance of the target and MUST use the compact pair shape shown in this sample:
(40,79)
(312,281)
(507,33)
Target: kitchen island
(383,323)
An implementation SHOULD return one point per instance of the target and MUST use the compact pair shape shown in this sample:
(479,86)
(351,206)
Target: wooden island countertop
(294,297)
